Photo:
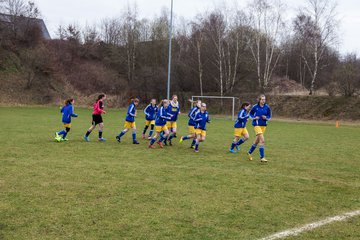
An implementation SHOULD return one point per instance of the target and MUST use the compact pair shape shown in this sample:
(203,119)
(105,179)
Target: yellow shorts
(238,132)
(259,130)
(191,129)
(129,125)
(149,122)
(200,132)
(67,125)
(171,125)
(160,128)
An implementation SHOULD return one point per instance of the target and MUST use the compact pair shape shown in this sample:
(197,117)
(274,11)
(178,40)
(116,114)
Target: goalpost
(232,99)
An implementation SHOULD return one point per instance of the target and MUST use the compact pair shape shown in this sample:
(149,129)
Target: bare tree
(347,75)
(110,31)
(130,37)
(316,26)
(266,21)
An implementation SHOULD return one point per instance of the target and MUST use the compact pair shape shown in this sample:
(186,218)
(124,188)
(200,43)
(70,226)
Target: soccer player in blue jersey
(201,118)
(261,114)
(150,115)
(162,117)
(130,121)
(240,127)
(191,123)
(174,110)
(67,112)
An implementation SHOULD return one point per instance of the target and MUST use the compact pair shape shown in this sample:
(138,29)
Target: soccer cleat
(192,146)
(56,135)
(151,146)
(250,157)
(263,160)
(143,136)
(237,148)
(196,150)
(86,138)
(232,151)
(102,139)
(65,139)
(149,138)
(58,139)
(118,139)
(181,140)
(136,142)
(160,144)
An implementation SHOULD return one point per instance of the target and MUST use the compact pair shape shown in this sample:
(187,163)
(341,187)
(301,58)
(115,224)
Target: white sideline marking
(311,226)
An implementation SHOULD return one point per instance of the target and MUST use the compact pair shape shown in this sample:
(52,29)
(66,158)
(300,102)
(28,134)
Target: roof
(39,22)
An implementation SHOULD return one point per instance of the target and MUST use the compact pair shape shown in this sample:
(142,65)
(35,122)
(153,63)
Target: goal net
(216,105)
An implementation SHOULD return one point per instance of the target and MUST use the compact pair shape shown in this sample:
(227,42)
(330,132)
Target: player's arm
(72,112)
(268,115)
(130,111)
(252,113)
(146,111)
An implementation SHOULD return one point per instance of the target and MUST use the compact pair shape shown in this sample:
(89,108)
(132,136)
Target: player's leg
(152,125)
(152,141)
(101,129)
(234,144)
(87,134)
(197,141)
(262,148)
(134,134)
(145,129)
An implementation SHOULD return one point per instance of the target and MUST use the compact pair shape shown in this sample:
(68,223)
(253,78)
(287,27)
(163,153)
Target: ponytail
(245,104)
(100,96)
(68,101)
(162,103)
(134,100)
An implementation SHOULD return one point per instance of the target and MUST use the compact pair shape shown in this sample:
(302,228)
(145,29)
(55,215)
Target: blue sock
(134,137)
(252,149)
(152,141)
(62,132)
(232,146)
(162,139)
(151,132)
(185,138)
(196,146)
(193,142)
(241,141)
(262,151)
(121,134)
(64,135)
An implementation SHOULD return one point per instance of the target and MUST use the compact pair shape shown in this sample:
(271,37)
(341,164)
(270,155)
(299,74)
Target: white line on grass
(311,226)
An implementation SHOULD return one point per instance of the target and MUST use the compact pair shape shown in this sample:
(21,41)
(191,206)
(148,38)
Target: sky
(81,12)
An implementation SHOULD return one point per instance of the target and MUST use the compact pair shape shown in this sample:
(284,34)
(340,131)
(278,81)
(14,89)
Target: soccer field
(111,190)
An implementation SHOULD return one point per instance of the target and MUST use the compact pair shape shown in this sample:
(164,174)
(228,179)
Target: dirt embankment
(316,107)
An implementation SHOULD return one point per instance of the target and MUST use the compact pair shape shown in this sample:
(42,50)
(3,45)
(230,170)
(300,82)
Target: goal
(220,105)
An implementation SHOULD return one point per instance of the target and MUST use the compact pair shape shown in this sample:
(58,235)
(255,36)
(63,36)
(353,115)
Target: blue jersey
(242,119)
(130,116)
(150,112)
(191,115)
(162,117)
(201,119)
(258,111)
(67,112)
(174,110)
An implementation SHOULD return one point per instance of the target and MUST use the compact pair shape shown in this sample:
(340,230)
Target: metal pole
(233,109)
(170,38)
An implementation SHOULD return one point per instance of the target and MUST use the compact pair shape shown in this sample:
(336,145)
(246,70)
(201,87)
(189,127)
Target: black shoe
(136,142)
(118,138)
(175,135)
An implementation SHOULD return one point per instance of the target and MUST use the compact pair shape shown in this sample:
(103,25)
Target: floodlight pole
(170,41)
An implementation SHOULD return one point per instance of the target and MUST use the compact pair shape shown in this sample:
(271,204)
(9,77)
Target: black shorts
(96,119)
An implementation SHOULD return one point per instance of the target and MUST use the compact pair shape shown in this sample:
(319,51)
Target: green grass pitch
(80,190)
